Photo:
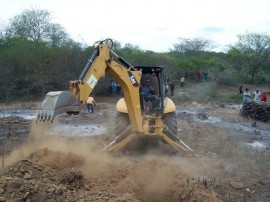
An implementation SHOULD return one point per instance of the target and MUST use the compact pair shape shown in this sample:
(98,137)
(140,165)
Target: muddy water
(25,114)
(88,128)
(63,128)
(261,142)
(195,116)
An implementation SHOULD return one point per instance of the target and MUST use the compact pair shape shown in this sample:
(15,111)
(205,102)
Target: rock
(59,190)
(237,185)
(36,188)
(203,115)
(8,178)
(22,170)
(17,182)
(18,174)
(2,191)
(86,187)
(26,195)
(2,199)
(50,190)
(27,176)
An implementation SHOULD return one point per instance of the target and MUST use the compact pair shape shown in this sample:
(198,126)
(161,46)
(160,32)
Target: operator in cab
(149,94)
(147,89)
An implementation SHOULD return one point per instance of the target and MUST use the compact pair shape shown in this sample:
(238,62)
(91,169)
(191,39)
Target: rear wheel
(170,120)
(121,123)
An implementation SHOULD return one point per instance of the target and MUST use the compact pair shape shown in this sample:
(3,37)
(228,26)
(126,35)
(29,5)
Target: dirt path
(67,165)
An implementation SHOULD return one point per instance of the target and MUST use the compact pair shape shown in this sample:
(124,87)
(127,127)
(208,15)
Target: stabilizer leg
(121,140)
(178,144)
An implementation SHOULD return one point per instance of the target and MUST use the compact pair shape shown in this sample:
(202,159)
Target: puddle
(238,107)
(195,114)
(258,145)
(26,114)
(81,128)
(74,128)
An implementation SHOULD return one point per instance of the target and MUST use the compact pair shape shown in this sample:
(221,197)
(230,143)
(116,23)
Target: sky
(154,25)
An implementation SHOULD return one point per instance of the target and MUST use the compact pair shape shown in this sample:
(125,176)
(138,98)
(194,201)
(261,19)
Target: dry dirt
(42,167)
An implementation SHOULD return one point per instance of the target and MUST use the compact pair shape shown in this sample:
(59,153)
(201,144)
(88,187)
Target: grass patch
(202,92)
(207,92)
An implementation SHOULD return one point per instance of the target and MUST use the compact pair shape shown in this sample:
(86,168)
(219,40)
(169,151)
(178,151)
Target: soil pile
(47,175)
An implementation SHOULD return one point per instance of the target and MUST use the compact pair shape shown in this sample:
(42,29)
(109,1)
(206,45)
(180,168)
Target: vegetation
(38,56)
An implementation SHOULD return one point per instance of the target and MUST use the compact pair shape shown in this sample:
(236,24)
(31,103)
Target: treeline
(37,56)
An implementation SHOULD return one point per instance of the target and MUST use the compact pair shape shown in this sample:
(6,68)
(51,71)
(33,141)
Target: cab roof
(149,69)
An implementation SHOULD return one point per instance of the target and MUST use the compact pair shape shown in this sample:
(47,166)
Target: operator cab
(151,100)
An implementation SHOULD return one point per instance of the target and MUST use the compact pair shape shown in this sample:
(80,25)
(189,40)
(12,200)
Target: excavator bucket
(55,103)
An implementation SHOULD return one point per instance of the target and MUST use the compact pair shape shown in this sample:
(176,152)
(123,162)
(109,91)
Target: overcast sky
(151,24)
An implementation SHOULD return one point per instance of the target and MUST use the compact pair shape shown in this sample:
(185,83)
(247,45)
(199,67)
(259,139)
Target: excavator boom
(101,60)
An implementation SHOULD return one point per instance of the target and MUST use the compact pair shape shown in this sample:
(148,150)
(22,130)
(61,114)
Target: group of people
(258,96)
(168,87)
(115,88)
(200,75)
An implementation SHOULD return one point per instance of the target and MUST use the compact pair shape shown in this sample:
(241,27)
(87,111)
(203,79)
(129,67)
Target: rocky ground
(40,166)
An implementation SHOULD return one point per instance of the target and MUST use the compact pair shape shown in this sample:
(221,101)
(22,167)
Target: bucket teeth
(45,115)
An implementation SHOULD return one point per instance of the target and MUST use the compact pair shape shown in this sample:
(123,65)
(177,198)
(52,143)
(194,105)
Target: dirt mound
(56,159)
(47,175)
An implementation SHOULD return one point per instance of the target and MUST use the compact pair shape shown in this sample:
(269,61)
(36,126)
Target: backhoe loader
(137,114)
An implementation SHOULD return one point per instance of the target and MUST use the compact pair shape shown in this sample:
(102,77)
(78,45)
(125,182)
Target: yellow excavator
(138,115)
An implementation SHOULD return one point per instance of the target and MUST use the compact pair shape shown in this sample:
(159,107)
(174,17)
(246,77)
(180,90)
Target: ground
(230,162)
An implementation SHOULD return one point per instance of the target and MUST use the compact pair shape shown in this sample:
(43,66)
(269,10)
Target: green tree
(254,51)
(56,35)
(193,47)
(31,24)
(35,25)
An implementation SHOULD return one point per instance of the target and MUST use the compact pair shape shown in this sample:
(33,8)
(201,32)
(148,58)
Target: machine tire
(170,120)
(121,123)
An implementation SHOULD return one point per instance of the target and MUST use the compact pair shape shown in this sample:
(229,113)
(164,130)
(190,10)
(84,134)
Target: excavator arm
(103,59)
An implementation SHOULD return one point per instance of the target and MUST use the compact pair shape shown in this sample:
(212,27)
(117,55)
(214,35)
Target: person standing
(257,95)
(114,88)
(205,75)
(172,89)
(166,89)
(246,96)
(264,97)
(198,75)
(90,103)
(182,82)
(241,89)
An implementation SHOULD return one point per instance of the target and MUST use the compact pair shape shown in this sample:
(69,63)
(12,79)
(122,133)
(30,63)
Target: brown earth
(41,167)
